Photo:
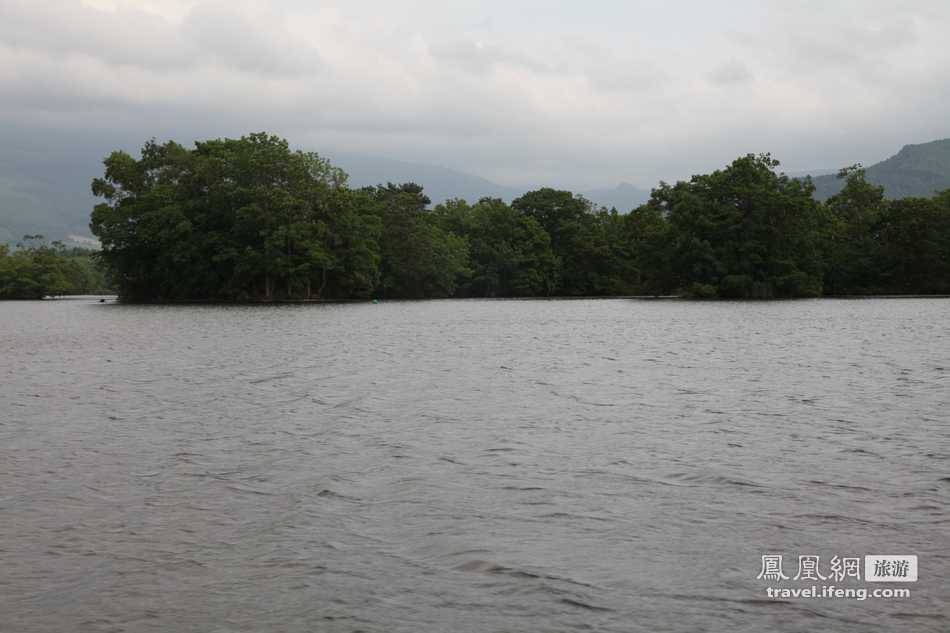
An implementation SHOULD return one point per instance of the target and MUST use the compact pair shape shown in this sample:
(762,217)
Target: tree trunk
(323,281)
(289,259)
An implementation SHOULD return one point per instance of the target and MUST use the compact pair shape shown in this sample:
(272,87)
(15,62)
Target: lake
(471,465)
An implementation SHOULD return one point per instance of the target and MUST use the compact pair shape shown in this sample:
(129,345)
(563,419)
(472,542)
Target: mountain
(440,183)
(814,173)
(443,184)
(624,197)
(916,170)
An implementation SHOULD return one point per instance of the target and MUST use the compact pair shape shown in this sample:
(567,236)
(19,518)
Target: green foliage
(886,246)
(914,246)
(420,259)
(589,244)
(742,232)
(37,269)
(251,219)
(851,242)
(510,253)
(242,219)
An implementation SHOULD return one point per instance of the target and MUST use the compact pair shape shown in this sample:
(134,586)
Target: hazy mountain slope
(440,183)
(624,197)
(917,170)
(814,173)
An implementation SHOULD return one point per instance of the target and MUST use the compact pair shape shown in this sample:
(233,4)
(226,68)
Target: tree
(591,263)
(419,259)
(743,232)
(509,252)
(913,254)
(649,238)
(252,219)
(36,269)
(244,218)
(852,247)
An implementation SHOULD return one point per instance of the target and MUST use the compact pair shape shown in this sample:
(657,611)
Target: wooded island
(250,219)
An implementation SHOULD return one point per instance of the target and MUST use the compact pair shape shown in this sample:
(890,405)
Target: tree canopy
(252,219)
(37,268)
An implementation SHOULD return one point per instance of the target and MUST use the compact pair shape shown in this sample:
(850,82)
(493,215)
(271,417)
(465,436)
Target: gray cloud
(520,91)
(253,43)
(127,36)
(731,72)
(479,57)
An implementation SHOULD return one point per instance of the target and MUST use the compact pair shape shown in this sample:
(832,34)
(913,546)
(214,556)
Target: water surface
(467,465)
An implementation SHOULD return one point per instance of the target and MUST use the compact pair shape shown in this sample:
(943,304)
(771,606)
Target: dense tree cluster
(37,269)
(251,219)
(875,245)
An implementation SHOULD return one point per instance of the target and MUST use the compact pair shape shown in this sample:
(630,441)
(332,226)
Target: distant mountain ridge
(439,183)
(915,171)
(442,183)
(624,197)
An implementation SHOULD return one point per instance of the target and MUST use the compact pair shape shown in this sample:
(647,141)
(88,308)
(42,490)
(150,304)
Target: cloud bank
(521,92)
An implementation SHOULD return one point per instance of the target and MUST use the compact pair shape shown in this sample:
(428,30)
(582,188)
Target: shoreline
(114,300)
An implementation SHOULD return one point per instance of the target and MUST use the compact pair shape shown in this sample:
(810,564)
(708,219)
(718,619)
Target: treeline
(251,219)
(37,269)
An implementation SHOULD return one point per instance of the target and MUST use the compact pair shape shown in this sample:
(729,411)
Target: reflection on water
(467,465)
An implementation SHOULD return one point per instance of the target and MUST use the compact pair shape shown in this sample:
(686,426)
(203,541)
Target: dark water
(468,465)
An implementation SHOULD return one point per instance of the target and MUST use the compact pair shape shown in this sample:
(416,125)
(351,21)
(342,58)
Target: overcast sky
(576,94)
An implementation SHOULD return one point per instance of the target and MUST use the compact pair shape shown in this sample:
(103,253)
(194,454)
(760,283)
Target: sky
(523,92)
